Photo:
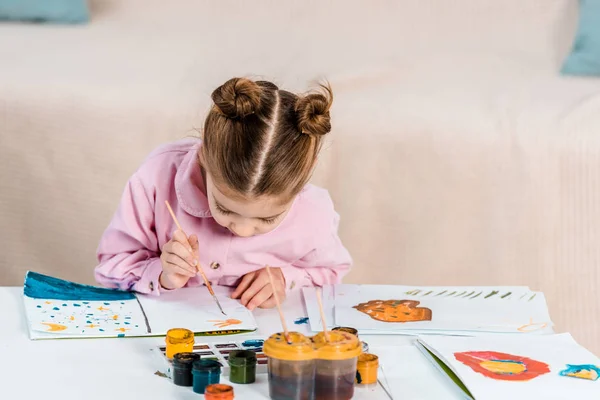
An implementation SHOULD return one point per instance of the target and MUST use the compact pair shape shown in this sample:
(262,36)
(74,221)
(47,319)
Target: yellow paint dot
(72,318)
(122,330)
(92,326)
(103,309)
(48,302)
(115,317)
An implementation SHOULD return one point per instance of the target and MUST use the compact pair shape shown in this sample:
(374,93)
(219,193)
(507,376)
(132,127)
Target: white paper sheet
(195,309)
(502,310)
(408,375)
(542,359)
(84,318)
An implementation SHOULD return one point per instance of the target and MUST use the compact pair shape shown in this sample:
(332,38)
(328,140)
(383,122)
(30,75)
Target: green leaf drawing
(492,293)
(506,295)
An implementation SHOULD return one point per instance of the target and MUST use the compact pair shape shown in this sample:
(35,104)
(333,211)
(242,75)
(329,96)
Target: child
(241,193)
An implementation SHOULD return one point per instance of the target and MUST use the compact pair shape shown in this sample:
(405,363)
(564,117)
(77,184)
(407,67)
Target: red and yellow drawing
(395,310)
(502,366)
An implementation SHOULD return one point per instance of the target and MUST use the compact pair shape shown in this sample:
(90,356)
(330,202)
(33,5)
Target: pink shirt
(305,245)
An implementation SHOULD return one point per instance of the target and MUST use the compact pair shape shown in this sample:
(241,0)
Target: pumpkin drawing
(395,310)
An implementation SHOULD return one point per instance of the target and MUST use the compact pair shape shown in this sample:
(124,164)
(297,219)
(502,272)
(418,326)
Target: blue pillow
(59,11)
(585,55)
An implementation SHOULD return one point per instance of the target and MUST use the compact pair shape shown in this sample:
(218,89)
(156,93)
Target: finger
(243,285)
(181,264)
(182,252)
(176,269)
(269,303)
(260,297)
(180,237)
(193,241)
(259,282)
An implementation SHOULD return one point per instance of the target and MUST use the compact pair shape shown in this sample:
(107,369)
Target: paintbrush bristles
(283,323)
(320,302)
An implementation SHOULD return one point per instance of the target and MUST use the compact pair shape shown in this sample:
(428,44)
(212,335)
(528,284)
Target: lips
(502,366)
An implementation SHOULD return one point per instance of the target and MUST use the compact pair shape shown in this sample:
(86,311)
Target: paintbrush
(200,270)
(320,302)
(286,333)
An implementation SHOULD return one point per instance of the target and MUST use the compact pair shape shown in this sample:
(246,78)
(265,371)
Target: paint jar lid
(179,335)
(206,366)
(346,329)
(338,345)
(242,358)
(185,360)
(299,348)
(218,391)
(368,360)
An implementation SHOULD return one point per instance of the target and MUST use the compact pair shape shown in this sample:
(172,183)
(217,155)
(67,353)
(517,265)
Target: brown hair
(259,140)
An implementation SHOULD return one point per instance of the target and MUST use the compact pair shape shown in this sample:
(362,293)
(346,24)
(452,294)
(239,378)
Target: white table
(121,368)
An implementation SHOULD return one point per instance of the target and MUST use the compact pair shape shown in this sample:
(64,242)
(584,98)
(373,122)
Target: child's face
(245,217)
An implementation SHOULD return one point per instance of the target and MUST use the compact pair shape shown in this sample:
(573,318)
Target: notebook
(59,309)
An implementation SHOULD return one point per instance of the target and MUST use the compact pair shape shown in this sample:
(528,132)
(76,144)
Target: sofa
(459,153)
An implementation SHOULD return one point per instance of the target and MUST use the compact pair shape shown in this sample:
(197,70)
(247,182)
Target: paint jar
(291,367)
(179,340)
(242,366)
(346,329)
(365,345)
(366,369)
(336,365)
(182,368)
(206,372)
(218,392)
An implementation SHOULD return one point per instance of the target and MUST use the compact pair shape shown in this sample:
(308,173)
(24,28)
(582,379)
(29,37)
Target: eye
(222,210)
(269,220)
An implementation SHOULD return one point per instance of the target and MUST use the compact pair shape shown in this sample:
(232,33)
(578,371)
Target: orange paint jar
(179,340)
(366,369)
(218,392)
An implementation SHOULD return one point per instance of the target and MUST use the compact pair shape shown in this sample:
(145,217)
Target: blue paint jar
(206,372)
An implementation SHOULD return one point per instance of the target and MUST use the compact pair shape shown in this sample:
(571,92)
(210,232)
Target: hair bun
(313,112)
(237,98)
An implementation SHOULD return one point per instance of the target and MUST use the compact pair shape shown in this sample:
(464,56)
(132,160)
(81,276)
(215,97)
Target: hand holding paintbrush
(177,260)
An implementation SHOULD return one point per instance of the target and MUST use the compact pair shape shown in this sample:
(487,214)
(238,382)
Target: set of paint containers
(325,366)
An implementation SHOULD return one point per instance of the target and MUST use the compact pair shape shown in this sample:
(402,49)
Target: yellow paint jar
(366,369)
(179,340)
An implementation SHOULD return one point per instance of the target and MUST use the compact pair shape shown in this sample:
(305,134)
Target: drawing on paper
(395,310)
(532,326)
(225,323)
(54,327)
(584,371)
(502,366)
(67,308)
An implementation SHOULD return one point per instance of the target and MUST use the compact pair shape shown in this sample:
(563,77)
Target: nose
(242,230)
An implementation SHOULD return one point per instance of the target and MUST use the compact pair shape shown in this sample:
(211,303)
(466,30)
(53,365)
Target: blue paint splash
(301,321)
(101,330)
(38,286)
(64,304)
(582,371)
(253,343)
(56,309)
(39,306)
(77,305)
(121,335)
